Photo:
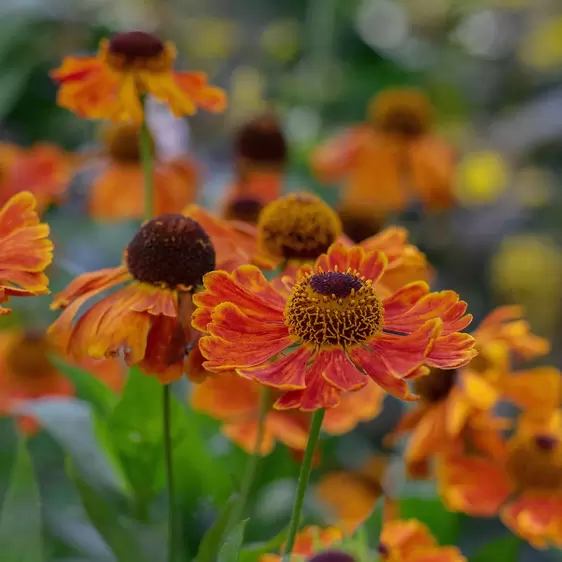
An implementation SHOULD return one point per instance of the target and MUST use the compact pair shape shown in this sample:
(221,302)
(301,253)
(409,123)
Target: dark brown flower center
(298,226)
(171,251)
(135,45)
(404,122)
(358,226)
(546,442)
(332,556)
(334,308)
(383,550)
(123,143)
(244,209)
(28,357)
(262,141)
(435,386)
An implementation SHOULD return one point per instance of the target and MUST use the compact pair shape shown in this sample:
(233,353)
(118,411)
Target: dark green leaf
(506,549)
(443,524)
(213,539)
(88,387)
(373,525)
(230,549)
(20,523)
(106,520)
(253,552)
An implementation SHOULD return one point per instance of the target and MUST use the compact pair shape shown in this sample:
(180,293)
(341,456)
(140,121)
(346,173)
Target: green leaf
(72,424)
(230,549)
(212,541)
(373,525)
(88,387)
(20,522)
(106,520)
(505,549)
(253,552)
(443,524)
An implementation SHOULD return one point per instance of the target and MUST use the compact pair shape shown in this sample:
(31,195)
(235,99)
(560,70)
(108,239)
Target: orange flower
(390,161)
(147,319)
(308,542)
(128,66)
(26,373)
(525,487)
(411,541)
(350,497)
(118,192)
(44,170)
(243,209)
(261,157)
(342,330)
(456,405)
(25,250)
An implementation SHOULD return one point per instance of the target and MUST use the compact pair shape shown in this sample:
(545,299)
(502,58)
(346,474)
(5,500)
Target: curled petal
(452,351)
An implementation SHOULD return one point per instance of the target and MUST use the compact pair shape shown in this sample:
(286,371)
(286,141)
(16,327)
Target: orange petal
(452,351)
(341,373)
(245,435)
(195,85)
(535,388)
(401,538)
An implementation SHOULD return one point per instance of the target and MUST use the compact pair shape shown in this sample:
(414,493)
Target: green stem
(253,461)
(304,475)
(147,166)
(169,472)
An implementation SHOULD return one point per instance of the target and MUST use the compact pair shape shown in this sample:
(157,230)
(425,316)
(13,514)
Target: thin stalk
(304,476)
(169,472)
(147,166)
(252,464)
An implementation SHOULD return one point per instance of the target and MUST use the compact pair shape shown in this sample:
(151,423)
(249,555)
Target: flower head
(25,250)
(243,209)
(298,226)
(332,332)
(118,191)
(148,318)
(128,66)
(525,487)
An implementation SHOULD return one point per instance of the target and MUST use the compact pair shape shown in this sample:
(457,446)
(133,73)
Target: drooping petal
(452,351)
(195,85)
(245,435)
(540,387)
(340,372)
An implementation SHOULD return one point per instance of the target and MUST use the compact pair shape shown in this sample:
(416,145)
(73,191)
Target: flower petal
(195,85)
(452,351)
(341,373)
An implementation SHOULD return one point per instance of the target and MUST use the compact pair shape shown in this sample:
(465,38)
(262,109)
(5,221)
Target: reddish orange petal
(245,435)
(452,351)
(341,373)
(285,373)
(401,538)
(195,85)
(438,554)
(536,388)
(290,428)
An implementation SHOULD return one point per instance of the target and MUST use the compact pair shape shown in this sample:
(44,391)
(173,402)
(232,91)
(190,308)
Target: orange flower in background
(308,542)
(128,66)
(261,154)
(411,541)
(342,332)
(391,160)
(44,170)
(118,192)
(25,250)
(525,487)
(456,406)
(243,209)
(148,318)
(27,373)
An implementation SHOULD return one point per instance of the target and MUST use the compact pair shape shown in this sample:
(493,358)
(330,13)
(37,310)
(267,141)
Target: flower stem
(304,475)
(169,472)
(253,461)
(147,166)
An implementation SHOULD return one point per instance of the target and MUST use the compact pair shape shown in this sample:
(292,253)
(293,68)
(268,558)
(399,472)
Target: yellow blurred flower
(542,48)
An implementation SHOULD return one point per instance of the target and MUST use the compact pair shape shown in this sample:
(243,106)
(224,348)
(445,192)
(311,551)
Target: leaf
(230,549)
(212,540)
(20,522)
(71,424)
(253,552)
(373,525)
(88,387)
(106,520)
(506,549)
(443,524)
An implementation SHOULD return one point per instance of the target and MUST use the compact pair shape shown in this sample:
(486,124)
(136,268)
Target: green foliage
(232,543)
(506,549)
(20,522)
(252,552)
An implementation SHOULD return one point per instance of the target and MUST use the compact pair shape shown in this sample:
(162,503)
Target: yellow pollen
(334,308)
(28,357)
(536,462)
(299,226)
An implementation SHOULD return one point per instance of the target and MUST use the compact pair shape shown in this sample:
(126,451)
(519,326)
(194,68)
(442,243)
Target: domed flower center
(28,357)
(171,251)
(262,141)
(536,463)
(135,46)
(435,386)
(244,209)
(123,143)
(298,226)
(334,308)
(332,556)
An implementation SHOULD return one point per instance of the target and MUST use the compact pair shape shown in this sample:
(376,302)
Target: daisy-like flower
(118,192)
(128,66)
(525,487)
(25,249)
(43,169)
(27,373)
(147,318)
(391,160)
(332,332)
(261,155)
(456,406)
